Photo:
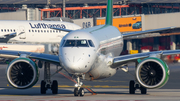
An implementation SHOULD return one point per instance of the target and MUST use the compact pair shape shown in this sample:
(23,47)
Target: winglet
(109,12)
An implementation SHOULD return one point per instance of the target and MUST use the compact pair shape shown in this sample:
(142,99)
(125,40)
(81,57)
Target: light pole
(64,8)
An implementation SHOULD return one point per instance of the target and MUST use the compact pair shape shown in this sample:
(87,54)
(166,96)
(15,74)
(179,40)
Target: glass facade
(131,9)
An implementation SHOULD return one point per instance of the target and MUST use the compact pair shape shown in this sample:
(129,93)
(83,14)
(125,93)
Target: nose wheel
(78,90)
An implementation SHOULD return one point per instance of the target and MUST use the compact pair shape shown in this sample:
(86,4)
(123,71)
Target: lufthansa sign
(43,25)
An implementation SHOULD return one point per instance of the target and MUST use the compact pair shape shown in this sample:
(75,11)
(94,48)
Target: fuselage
(34,31)
(88,51)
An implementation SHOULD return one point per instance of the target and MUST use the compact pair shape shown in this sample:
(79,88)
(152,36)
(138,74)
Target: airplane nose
(77,63)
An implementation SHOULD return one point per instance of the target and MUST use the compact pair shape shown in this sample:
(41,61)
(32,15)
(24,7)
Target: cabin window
(32,30)
(44,31)
(14,30)
(7,30)
(4,30)
(11,30)
(1,30)
(91,43)
(29,30)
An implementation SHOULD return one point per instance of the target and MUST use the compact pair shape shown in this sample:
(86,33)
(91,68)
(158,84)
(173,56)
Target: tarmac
(114,88)
(33,94)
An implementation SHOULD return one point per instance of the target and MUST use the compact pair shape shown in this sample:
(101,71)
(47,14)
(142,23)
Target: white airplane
(33,31)
(90,54)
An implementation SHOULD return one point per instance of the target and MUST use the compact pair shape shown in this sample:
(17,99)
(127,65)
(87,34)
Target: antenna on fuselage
(109,12)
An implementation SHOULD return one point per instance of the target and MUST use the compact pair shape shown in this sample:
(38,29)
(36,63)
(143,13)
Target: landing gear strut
(133,87)
(78,90)
(46,83)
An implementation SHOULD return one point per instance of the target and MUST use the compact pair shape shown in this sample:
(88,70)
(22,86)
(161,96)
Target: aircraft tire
(143,90)
(81,91)
(131,87)
(43,88)
(54,87)
(76,91)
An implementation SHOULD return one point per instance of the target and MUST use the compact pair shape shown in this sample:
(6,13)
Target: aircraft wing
(40,56)
(120,60)
(147,31)
(8,35)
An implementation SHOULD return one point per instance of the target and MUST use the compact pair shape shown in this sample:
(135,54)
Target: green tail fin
(109,12)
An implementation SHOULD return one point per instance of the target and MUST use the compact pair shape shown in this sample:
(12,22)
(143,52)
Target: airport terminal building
(129,16)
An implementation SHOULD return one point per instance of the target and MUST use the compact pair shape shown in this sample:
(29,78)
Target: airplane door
(22,33)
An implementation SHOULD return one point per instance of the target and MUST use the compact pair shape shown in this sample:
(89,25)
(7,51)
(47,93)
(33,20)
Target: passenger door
(22,33)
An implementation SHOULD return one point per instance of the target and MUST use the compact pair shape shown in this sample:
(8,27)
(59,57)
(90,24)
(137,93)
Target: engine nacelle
(152,73)
(22,73)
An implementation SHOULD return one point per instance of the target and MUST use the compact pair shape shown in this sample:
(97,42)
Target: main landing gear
(46,83)
(78,90)
(133,87)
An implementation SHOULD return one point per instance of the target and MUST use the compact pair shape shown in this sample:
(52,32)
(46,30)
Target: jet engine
(22,73)
(152,73)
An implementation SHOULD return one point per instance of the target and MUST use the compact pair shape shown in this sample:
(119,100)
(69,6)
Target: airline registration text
(43,25)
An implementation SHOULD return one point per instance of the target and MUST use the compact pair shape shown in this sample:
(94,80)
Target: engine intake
(152,73)
(22,73)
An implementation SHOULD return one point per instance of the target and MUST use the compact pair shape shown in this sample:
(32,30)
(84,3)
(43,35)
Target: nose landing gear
(78,90)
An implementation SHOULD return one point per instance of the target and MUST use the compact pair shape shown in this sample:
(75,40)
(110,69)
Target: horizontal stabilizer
(65,30)
(147,31)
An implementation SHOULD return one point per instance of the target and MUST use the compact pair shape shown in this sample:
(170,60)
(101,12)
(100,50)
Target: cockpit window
(70,43)
(76,43)
(91,43)
(62,43)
